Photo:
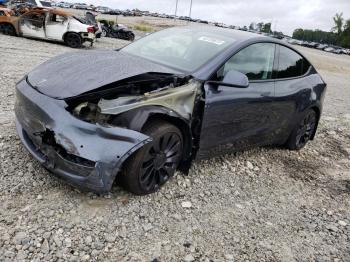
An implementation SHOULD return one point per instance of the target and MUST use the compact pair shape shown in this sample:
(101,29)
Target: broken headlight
(90,112)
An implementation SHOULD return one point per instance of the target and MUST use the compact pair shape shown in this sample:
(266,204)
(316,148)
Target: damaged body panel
(138,114)
(86,155)
(93,70)
(181,100)
(8,22)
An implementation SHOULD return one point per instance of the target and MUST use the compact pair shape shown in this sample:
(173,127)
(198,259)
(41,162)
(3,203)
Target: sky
(285,15)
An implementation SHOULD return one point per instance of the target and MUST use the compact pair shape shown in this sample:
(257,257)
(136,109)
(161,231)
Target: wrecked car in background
(50,24)
(117,31)
(136,115)
(8,21)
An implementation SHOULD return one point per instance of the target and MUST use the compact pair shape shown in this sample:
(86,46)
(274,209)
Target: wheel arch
(318,116)
(137,118)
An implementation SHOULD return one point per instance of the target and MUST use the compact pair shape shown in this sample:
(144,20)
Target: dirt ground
(267,204)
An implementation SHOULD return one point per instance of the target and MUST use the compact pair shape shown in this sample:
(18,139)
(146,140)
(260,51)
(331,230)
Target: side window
(34,20)
(290,63)
(255,61)
(56,19)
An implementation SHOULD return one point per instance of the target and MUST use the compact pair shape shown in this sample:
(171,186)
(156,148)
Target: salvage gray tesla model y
(137,114)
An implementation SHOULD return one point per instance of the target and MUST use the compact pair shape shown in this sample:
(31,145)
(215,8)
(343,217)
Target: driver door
(56,26)
(238,118)
(32,24)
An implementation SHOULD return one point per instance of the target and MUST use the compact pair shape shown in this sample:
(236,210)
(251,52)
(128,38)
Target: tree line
(340,34)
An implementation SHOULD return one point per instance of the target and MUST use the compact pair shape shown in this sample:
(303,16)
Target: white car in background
(57,25)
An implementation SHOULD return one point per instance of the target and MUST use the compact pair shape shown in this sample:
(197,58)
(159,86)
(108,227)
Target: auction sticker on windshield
(211,40)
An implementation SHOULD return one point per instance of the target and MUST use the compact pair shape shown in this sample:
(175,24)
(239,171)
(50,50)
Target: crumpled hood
(72,74)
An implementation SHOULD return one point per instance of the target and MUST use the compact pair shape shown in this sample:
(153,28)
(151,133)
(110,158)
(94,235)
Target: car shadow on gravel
(85,45)
(331,175)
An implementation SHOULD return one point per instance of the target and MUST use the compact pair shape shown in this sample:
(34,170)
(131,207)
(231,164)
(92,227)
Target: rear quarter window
(291,64)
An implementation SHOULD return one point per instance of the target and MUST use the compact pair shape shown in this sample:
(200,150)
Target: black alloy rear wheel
(151,166)
(303,132)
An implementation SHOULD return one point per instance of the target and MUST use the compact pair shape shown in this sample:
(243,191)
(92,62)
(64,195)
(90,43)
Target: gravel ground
(266,204)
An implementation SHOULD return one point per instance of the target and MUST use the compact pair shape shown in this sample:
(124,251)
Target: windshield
(183,48)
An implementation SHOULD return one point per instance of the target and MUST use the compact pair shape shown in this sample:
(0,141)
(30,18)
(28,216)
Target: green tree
(344,40)
(259,26)
(266,28)
(339,22)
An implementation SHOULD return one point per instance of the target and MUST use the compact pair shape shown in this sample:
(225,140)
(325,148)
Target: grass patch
(143,28)
(105,21)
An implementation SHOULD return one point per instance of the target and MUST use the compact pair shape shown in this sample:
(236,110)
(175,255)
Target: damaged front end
(86,138)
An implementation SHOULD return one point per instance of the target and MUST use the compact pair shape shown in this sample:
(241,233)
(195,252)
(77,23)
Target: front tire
(303,132)
(73,40)
(8,29)
(104,33)
(131,36)
(152,165)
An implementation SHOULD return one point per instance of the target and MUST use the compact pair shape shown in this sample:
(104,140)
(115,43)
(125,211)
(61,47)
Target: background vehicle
(102,9)
(8,22)
(117,31)
(53,24)
(90,19)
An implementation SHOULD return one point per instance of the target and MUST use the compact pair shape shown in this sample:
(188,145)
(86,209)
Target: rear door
(56,26)
(293,88)
(237,118)
(32,24)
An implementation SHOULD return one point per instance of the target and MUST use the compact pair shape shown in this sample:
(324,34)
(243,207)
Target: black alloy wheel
(153,165)
(304,131)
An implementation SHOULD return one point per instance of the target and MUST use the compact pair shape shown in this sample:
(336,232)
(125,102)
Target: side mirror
(233,79)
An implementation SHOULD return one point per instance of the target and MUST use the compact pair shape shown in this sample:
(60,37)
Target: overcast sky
(286,15)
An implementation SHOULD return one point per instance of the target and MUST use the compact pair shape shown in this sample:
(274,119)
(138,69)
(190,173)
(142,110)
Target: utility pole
(190,10)
(176,11)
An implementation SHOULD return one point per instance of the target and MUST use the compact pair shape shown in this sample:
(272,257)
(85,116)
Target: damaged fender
(180,99)
(173,104)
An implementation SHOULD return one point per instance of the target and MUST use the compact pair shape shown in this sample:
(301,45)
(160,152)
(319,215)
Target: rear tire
(303,132)
(73,40)
(152,165)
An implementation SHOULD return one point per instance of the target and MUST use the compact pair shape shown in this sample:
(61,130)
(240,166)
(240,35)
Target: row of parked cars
(135,12)
(328,48)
